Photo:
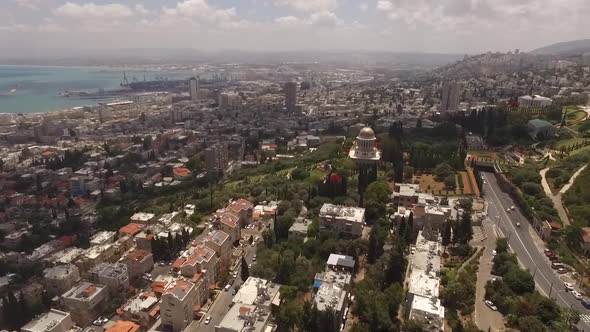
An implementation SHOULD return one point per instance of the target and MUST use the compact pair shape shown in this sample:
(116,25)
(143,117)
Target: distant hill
(565,48)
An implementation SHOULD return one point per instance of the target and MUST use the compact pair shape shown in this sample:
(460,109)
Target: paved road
(527,247)
(485,318)
(556,199)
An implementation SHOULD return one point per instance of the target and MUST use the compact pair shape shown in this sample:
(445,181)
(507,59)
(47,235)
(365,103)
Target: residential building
(451,96)
(229,223)
(51,321)
(254,304)
(535,101)
(430,217)
(85,302)
(406,195)
(216,159)
(142,309)
(201,260)
(178,305)
(344,221)
(116,278)
(243,209)
(142,218)
(123,326)
(298,231)
(60,278)
(290,97)
(229,101)
(131,229)
(103,237)
(423,300)
(338,262)
(94,256)
(139,261)
(221,243)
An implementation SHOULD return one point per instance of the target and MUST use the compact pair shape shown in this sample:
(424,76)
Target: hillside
(569,47)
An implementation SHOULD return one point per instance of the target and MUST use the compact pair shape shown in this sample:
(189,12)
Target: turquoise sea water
(38,88)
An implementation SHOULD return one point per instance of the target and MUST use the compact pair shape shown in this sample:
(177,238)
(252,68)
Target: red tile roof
(137,254)
(241,205)
(123,326)
(244,310)
(131,229)
(178,263)
(182,171)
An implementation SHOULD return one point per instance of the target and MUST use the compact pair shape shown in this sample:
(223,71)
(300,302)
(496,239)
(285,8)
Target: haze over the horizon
(439,26)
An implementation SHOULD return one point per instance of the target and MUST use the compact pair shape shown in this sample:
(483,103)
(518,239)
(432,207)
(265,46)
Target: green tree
(396,267)
(519,281)
(442,171)
(410,229)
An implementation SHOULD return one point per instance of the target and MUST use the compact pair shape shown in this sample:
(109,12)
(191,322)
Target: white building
(85,302)
(423,290)
(534,101)
(341,220)
(61,278)
(52,321)
(142,218)
(178,303)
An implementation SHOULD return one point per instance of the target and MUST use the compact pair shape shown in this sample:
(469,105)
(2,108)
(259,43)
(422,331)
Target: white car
(494,252)
(207,320)
(235,274)
(577,295)
(568,286)
(254,258)
(512,208)
(508,210)
(491,305)
(227,287)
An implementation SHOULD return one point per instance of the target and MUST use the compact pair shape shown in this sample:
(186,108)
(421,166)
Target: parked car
(517,224)
(512,208)
(568,286)
(254,258)
(491,305)
(494,252)
(556,265)
(554,259)
(207,320)
(586,303)
(227,287)
(561,270)
(577,295)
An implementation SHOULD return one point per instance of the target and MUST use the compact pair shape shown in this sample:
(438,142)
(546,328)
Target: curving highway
(528,247)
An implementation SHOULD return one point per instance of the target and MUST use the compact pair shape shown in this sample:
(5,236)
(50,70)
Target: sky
(436,26)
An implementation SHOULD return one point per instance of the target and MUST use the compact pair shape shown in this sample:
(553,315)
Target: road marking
(520,240)
(585,318)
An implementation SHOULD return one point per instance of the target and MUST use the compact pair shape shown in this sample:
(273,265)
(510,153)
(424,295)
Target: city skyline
(449,26)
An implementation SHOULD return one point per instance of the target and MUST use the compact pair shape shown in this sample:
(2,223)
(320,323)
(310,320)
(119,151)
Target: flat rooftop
(46,321)
(348,213)
(85,291)
(59,271)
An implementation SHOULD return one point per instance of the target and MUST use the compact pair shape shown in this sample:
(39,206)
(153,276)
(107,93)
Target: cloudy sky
(447,26)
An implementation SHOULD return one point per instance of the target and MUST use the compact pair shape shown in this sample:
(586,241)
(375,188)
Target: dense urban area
(305,197)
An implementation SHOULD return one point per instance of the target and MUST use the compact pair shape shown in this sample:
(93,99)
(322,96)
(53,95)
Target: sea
(36,89)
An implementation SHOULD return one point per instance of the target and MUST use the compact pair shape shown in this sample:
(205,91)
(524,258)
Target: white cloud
(308,5)
(14,28)
(384,5)
(29,4)
(288,21)
(92,11)
(324,19)
(141,9)
(363,6)
(199,11)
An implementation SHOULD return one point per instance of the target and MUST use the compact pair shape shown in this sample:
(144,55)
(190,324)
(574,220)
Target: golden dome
(366,133)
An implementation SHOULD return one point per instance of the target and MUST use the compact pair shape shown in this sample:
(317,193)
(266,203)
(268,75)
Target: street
(222,303)
(528,247)
(485,318)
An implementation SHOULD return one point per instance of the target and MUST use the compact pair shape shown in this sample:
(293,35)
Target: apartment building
(116,278)
(85,302)
(344,221)
(52,321)
(60,278)
(220,242)
(178,305)
(139,261)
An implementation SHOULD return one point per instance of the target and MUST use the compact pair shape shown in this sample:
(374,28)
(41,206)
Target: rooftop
(180,288)
(84,291)
(341,260)
(123,326)
(46,321)
(138,254)
(115,270)
(241,205)
(142,217)
(131,229)
(425,268)
(102,237)
(352,214)
(257,291)
(59,271)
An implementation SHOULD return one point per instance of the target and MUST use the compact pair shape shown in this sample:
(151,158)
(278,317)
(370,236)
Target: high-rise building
(229,101)
(194,88)
(451,95)
(216,157)
(290,96)
(177,307)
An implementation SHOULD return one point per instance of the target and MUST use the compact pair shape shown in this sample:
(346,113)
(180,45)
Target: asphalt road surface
(529,255)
